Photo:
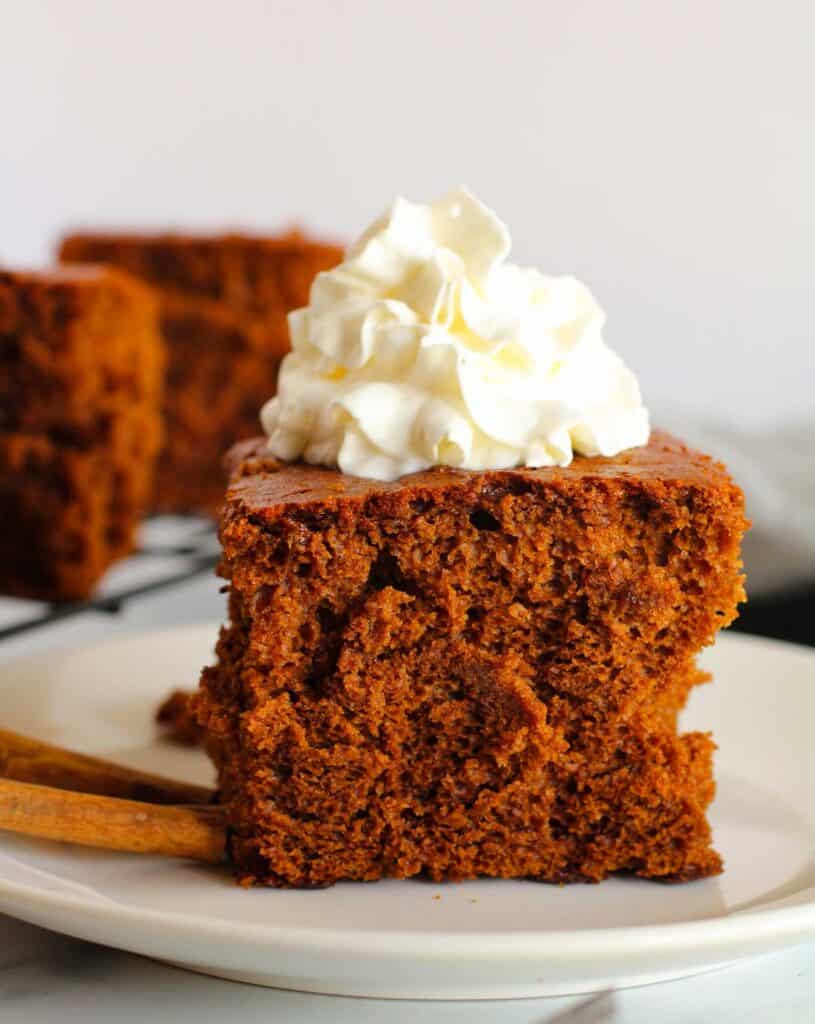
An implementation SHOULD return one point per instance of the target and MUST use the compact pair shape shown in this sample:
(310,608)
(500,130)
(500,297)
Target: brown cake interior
(223,304)
(81,367)
(464,674)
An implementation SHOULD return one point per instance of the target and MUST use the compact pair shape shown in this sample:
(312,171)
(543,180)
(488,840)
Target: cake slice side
(255,275)
(455,776)
(223,303)
(477,675)
(80,425)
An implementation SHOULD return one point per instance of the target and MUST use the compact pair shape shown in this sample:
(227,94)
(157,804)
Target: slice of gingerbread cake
(223,305)
(81,368)
(470,674)
(468,585)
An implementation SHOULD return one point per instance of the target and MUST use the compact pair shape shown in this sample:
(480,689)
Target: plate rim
(557,945)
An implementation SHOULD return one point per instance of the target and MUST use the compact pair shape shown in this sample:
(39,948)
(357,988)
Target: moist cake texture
(175,716)
(465,674)
(223,305)
(81,365)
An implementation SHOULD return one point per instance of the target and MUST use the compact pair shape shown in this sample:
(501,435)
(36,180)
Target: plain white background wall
(662,150)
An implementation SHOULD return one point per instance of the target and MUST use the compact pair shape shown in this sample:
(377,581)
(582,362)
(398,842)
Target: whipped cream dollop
(425,347)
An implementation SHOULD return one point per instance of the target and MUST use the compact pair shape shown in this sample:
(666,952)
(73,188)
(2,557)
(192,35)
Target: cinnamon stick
(197,833)
(29,760)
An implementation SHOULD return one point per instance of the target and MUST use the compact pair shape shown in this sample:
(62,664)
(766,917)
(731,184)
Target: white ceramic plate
(490,939)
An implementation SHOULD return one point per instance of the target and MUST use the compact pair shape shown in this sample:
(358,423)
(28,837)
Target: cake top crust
(186,243)
(261,483)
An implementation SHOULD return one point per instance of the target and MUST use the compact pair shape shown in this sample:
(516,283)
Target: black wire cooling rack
(193,541)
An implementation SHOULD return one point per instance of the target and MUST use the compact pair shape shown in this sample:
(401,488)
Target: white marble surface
(45,977)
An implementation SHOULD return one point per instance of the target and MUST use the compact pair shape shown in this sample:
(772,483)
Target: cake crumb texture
(81,366)
(223,302)
(176,716)
(470,674)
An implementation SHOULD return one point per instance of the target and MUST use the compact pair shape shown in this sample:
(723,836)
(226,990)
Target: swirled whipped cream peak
(425,347)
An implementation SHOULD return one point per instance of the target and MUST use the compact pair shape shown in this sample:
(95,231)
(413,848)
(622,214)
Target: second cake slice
(223,303)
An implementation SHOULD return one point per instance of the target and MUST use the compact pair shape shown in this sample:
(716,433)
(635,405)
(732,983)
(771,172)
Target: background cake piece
(223,302)
(81,366)
(470,674)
